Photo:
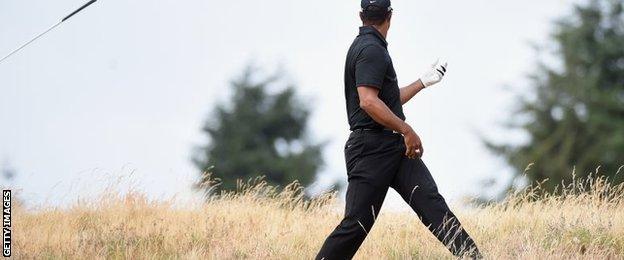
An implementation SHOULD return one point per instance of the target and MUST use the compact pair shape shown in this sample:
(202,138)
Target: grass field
(262,222)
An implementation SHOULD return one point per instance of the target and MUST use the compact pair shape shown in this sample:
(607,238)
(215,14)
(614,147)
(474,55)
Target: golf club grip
(78,10)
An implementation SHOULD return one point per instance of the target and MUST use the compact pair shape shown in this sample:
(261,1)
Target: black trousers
(376,161)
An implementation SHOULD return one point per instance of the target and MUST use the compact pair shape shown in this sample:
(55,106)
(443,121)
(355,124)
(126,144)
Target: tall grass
(584,221)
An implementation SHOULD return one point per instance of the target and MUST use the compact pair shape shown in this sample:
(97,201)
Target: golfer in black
(383,151)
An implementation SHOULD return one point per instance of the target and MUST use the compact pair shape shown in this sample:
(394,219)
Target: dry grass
(260,222)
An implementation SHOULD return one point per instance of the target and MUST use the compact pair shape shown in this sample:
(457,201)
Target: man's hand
(435,74)
(413,145)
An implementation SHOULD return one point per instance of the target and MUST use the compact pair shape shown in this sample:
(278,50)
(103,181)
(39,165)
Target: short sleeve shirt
(369,64)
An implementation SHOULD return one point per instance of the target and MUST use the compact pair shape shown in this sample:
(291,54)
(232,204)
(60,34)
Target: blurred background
(148,95)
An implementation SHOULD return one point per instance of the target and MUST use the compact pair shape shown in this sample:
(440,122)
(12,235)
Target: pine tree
(574,115)
(259,134)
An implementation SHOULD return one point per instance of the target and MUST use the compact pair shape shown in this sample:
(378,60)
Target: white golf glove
(435,74)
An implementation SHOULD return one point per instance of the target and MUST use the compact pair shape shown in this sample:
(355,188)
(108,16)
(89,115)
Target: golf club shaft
(49,29)
(29,42)
(78,10)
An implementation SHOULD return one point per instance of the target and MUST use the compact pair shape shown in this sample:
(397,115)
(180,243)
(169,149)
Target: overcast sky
(124,87)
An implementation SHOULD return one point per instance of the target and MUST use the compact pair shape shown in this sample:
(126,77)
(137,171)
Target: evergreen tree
(259,134)
(574,115)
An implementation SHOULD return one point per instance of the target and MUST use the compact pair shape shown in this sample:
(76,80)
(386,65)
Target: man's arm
(378,111)
(431,77)
(411,90)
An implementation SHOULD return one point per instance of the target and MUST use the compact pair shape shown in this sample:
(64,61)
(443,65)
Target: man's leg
(414,183)
(372,161)
(364,200)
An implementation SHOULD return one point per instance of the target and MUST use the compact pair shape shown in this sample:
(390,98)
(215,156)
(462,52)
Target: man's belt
(374,130)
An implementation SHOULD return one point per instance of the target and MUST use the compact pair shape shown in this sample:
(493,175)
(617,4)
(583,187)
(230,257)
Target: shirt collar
(372,30)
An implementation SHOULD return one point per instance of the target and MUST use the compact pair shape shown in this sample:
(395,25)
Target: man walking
(383,151)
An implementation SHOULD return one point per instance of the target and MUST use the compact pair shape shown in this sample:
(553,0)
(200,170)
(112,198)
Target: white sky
(124,87)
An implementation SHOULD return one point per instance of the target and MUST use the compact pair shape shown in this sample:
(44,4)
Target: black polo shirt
(369,64)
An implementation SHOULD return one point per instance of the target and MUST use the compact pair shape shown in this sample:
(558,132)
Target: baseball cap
(383,4)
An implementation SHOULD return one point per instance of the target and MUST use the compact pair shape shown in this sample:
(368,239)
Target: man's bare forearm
(382,114)
(410,91)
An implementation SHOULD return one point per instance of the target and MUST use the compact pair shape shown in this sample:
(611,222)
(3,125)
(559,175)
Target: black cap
(383,4)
